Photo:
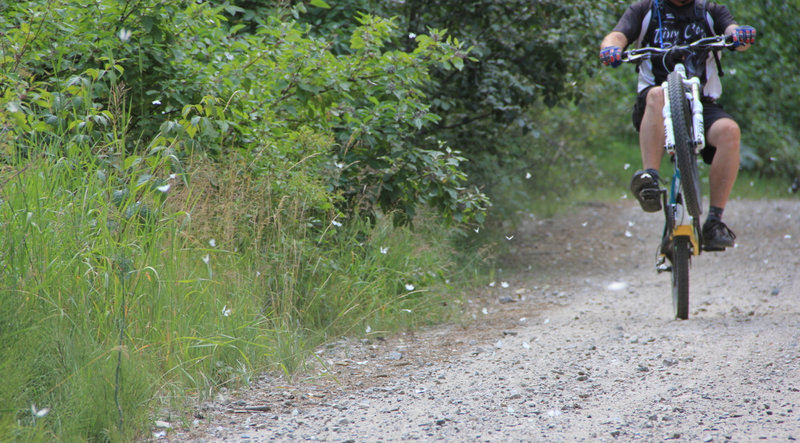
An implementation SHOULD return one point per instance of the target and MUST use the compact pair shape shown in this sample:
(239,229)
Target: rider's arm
(614,38)
(729,30)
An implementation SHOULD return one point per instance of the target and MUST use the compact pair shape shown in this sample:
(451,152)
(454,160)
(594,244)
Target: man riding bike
(663,23)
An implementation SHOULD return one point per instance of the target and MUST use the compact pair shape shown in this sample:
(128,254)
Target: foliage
(761,87)
(373,116)
(208,85)
(525,56)
(56,79)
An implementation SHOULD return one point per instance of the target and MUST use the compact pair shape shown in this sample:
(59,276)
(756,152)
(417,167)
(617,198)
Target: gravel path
(579,345)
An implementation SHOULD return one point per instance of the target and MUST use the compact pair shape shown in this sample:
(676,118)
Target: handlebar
(717,41)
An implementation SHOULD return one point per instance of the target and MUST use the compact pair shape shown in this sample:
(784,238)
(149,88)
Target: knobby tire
(684,145)
(681,258)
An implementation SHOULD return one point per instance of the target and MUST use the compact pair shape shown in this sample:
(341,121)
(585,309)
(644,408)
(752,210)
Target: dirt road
(579,345)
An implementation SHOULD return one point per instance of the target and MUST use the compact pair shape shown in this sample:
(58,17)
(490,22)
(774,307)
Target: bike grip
(611,56)
(743,35)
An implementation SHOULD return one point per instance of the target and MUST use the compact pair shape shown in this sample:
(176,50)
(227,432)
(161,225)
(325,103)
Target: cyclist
(662,23)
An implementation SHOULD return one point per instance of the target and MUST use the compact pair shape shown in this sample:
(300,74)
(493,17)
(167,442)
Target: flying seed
(40,412)
(124,35)
(617,286)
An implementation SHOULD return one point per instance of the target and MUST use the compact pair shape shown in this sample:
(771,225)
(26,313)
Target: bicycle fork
(693,95)
(677,224)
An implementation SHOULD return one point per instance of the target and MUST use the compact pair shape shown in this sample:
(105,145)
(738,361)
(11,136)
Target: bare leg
(651,133)
(725,135)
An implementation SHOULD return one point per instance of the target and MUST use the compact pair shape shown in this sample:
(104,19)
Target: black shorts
(712,111)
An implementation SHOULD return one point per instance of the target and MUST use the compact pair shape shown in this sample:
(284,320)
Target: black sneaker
(644,186)
(717,236)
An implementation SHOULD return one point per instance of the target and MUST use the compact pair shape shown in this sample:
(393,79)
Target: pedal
(650,199)
(662,265)
(651,194)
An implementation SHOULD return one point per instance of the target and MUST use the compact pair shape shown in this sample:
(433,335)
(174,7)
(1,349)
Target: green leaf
(144,178)
(131,161)
(320,4)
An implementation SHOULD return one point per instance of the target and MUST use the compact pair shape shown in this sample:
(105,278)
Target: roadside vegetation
(195,191)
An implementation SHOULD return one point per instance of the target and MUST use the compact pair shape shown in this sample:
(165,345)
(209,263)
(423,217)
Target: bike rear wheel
(686,161)
(681,258)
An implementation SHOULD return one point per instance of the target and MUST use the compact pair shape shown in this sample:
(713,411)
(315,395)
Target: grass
(127,289)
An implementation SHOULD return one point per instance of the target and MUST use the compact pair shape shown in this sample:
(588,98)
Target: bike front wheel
(686,160)
(681,258)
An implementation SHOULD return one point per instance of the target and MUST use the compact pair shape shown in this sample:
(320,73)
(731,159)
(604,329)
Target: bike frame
(678,222)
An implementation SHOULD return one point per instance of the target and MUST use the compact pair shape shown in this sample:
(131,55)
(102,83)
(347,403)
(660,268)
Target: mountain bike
(685,138)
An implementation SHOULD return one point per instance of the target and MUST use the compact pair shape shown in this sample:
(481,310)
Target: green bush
(761,91)
(180,71)
(525,57)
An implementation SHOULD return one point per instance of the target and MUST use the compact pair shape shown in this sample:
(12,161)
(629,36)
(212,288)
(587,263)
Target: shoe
(645,187)
(717,236)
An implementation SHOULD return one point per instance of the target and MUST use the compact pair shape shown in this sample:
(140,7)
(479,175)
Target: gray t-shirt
(679,25)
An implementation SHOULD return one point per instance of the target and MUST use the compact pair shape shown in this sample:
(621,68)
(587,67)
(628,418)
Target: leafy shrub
(525,57)
(761,92)
(204,85)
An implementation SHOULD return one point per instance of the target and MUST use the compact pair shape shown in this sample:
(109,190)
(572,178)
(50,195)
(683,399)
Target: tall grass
(125,289)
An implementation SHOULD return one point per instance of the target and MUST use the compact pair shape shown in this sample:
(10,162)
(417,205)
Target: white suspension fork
(697,115)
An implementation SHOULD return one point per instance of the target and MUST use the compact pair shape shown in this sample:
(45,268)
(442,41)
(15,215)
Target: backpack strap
(647,22)
(656,12)
(700,12)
